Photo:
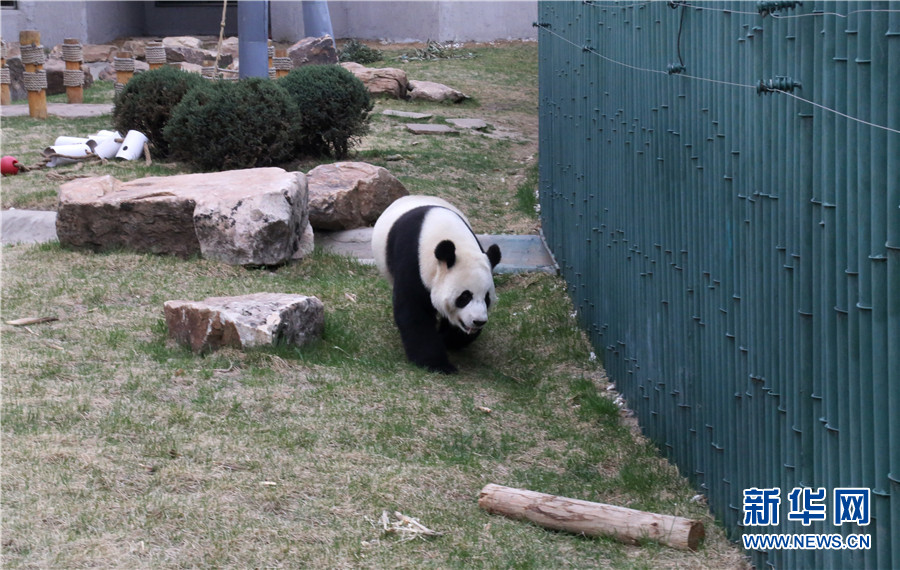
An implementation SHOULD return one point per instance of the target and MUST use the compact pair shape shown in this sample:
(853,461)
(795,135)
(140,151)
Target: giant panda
(442,278)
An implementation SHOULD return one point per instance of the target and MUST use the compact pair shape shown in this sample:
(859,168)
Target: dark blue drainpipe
(253,38)
(316,19)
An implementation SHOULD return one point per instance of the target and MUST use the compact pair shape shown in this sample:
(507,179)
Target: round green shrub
(226,125)
(334,108)
(146,103)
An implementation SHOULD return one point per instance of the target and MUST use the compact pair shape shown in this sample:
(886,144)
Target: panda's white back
(396,210)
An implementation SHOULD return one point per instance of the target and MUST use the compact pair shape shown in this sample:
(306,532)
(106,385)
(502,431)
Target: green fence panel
(720,184)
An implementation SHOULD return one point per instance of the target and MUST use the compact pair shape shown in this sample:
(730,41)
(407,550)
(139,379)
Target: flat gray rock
(468,123)
(427,129)
(407,114)
(27,226)
(245,321)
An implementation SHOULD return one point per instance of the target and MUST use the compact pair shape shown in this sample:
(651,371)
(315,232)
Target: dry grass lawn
(122,450)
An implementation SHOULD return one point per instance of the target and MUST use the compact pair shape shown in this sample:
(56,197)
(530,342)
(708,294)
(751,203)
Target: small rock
(427,129)
(476,124)
(407,114)
(388,81)
(246,321)
(435,92)
(93,53)
(190,67)
(313,51)
(347,195)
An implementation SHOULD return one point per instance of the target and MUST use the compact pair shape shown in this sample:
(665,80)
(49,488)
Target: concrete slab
(355,243)
(27,226)
(468,123)
(428,129)
(65,110)
(521,253)
(407,114)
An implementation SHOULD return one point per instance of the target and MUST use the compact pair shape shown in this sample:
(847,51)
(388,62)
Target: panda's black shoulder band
(446,252)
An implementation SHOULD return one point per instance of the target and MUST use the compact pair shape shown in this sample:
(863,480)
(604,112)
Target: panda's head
(463,291)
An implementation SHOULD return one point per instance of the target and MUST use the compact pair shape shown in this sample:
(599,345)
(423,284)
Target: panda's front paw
(444,368)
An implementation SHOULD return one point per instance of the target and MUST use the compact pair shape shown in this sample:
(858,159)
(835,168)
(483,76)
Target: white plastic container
(133,146)
(65,141)
(69,153)
(106,143)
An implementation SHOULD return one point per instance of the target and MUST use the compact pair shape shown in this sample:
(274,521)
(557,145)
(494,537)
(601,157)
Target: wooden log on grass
(592,519)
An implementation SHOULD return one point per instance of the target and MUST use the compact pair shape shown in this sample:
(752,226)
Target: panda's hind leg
(421,341)
(453,337)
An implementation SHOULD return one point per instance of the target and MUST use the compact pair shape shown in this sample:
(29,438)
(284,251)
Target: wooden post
(35,77)
(282,63)
(124,65)
(73,59)
(5,96)
(592,519)
(156,55)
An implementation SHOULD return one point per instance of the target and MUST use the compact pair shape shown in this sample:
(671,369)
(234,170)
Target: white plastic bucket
(107,143)
(133,146)
(69,153)
(64,141)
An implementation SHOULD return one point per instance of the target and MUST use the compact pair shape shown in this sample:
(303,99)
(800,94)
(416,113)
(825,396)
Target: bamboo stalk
(592,519)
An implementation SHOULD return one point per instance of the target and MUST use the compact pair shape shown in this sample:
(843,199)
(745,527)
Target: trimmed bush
(355,50)
(147,101)
(226,125)
(334,108)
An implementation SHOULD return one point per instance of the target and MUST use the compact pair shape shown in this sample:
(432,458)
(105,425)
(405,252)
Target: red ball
(9,165)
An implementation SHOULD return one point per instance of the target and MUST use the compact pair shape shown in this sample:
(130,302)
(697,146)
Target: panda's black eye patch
(463,299)
(487,300)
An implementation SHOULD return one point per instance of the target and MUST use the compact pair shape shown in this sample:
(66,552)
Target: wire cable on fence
(716,81)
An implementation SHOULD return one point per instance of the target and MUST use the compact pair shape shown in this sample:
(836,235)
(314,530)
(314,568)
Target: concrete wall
(54,20)
(439,20)
(405,21)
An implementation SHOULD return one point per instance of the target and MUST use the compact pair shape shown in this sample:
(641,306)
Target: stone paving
(65,110)
(521,253)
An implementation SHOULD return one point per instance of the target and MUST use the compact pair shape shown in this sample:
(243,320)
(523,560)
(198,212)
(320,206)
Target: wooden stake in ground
(73,76)
(5,96)
(282,63)
(592,519)
(35,77)
(124,66)
(156,54)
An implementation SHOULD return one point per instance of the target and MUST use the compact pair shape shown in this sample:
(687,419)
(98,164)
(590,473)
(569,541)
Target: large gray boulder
(256,216)
(434,92)
(190,49)
(380,81)
(245,321)
(347,195)
(313,51)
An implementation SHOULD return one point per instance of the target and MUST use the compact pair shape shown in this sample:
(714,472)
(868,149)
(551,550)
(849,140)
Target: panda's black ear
(446,252)
(493,254)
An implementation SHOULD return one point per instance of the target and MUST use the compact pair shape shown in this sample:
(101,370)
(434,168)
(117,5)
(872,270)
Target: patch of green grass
(526,191)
